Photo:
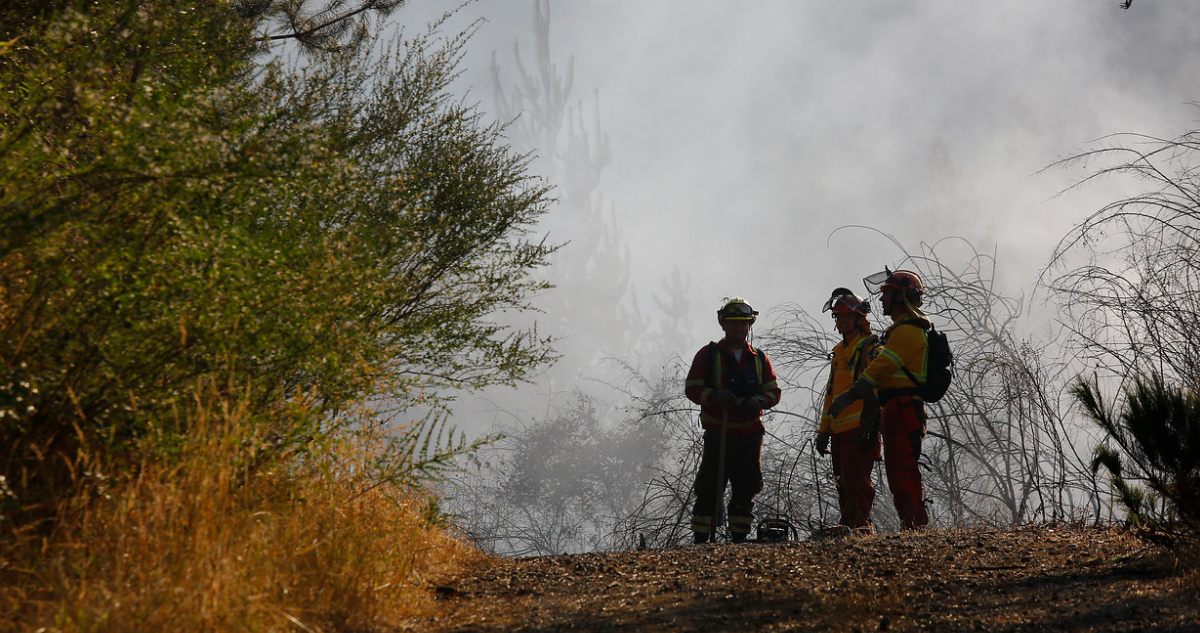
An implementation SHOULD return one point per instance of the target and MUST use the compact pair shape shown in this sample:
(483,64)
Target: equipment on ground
(776,530)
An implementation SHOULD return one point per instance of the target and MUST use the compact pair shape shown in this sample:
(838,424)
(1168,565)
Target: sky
(743,135)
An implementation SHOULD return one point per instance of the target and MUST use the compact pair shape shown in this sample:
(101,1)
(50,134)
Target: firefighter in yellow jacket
(903,420)
(851,436)
(733,382)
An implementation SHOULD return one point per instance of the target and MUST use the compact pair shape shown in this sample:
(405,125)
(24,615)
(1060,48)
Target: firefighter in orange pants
(733,383)
(853,432)
(894,375)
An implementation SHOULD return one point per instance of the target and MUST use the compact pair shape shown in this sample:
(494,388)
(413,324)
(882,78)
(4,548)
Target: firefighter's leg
(842,458)
(706,489)
(853,463)
(900,462)
(837,454)
(745,481)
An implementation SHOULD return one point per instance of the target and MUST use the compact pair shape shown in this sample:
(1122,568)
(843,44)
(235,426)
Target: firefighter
(852,435)
(903,417)
(733,383)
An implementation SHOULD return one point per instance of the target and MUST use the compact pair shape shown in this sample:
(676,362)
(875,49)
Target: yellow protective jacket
(847,364)
(905,344)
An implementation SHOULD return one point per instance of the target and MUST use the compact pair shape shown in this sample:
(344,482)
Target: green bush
(1155,438)
(325,233)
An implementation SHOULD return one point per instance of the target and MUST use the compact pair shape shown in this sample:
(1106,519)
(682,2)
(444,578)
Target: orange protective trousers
(852,464)
(902,418)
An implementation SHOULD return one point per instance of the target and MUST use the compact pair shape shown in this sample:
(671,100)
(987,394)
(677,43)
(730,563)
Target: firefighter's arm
(770,392)
(694,387)
(857,391)
(826,425)
(884,365)
(904,343)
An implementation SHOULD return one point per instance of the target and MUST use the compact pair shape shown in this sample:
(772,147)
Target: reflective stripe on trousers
(743,472)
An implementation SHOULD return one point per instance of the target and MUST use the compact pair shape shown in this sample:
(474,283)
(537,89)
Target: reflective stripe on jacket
(710,372)
(902,347)
(848,361)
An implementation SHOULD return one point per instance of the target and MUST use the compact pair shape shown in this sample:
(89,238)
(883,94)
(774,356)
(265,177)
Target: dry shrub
(223,540)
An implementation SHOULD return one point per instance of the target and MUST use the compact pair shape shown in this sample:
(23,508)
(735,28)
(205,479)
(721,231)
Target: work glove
(823,443)
(859,390)
(724,398)
(868,421)
(753,404)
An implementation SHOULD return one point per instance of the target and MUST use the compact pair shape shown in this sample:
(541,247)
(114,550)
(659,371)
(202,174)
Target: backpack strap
(857,366)
(758,362)
(712,378)
(925,331)
(714,358)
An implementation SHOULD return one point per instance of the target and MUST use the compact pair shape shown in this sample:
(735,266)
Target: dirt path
(1027,579)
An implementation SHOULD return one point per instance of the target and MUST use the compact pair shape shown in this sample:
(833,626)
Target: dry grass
(211,545)
(1031,578)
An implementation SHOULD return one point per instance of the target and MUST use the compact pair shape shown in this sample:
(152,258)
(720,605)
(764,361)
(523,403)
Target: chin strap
(912,308)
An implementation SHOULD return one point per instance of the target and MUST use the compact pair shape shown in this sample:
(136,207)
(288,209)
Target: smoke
(774,150)
(744,136)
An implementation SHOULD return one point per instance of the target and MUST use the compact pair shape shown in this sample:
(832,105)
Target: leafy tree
(329,25)
(1157,440)
(174,213)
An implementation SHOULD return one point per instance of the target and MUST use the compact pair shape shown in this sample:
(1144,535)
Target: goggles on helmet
(846,302)
(737,310)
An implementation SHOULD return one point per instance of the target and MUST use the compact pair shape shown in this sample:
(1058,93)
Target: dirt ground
(1038,578)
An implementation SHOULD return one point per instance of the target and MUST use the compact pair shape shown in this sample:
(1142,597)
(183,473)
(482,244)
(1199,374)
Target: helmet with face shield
(905,281)
(842,301)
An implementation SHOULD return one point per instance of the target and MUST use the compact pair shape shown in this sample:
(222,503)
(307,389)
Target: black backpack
(939,372)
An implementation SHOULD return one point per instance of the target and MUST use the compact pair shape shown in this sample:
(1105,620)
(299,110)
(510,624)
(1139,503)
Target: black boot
(699,538)
(737,537)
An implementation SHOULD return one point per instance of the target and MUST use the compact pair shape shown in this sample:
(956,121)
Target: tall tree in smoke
(591,308)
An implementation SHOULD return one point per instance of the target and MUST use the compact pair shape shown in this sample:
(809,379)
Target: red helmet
(904,280)
(842,301)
